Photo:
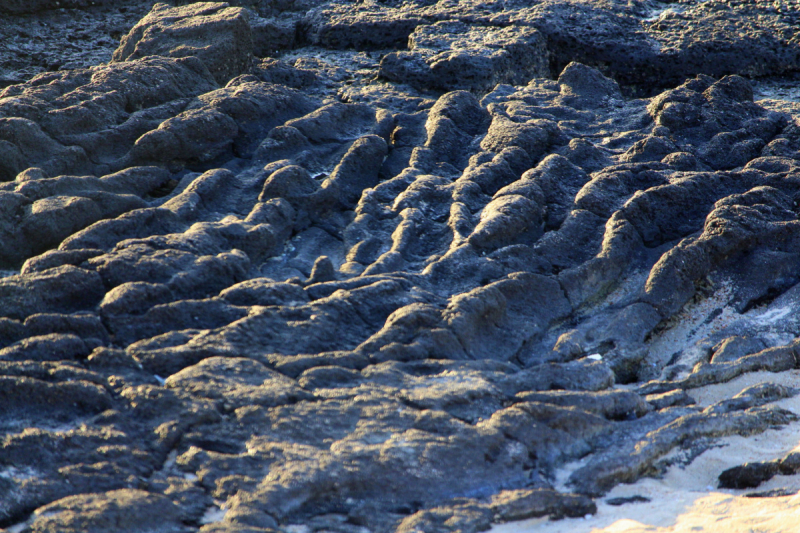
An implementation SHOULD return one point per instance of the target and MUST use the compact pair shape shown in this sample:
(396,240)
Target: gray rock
(459,517)
(53,347)
(314,290)
(62,289)
(124,510)
(236,383)
(342,27)
(217,34)
(582,86)
(453,55)
(358,169)
(523,504)
(734,348)
(15,7)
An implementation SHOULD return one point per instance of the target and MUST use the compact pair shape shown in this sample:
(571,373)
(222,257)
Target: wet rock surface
(386,266)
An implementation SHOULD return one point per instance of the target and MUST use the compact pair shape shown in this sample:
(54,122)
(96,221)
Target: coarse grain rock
(219,35)
(124,510)
(338,266)
(522,504)
(452,55)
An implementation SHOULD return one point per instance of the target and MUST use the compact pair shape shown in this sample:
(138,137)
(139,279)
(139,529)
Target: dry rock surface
(306,265)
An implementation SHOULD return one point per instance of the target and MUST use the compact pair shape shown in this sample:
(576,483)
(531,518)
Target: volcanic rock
(217,34)
(386,266)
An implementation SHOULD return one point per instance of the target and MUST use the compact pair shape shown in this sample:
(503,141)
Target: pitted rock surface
(375,267)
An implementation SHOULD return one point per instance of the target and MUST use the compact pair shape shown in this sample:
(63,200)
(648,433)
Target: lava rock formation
(385,266)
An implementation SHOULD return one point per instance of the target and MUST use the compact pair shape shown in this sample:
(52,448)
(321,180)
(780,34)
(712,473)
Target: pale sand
(686,499)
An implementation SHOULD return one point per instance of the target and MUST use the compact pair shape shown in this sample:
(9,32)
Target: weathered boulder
(452,55)
(214,32)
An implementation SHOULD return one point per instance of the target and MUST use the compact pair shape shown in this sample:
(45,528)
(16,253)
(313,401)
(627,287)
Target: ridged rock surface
(382,266)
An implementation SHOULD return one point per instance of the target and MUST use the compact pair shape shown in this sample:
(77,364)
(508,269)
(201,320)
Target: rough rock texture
(386,266)
(455,55)
(218,35)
